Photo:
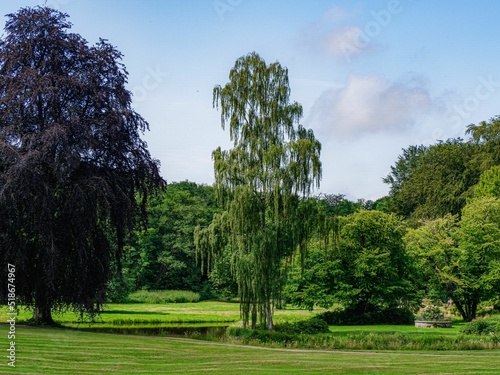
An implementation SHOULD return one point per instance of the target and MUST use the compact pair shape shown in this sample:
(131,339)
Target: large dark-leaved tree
(72,163)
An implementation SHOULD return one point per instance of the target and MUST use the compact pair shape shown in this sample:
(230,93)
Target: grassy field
(205,313)
(59,351)
(68,351)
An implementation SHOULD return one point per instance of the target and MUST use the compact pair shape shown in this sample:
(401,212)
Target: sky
(373,77)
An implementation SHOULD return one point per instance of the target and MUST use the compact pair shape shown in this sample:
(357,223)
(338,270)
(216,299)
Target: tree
(273,161)
(376,269)
(163,256)
(436,181)
(71,163)
(366,269)
(461,259)
(489,183)
(479,271)
(487,135)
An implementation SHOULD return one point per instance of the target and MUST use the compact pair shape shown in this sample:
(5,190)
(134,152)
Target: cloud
(337,14)
(369,104)
(335,35)
(344,42)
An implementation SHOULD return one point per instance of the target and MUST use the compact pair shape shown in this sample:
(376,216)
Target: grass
(163,296)
(59,351)
(198,313)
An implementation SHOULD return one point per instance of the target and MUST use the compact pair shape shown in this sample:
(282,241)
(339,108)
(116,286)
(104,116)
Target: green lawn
(404,329)
(59,351)
(204,313)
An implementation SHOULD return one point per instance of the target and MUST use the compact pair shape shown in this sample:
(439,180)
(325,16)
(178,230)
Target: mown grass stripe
(56,351)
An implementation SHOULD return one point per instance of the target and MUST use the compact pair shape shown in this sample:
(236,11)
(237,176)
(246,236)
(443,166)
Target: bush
(163,296)
(284,333)
(486,326)
(351,318)
(431,313)
(310,326)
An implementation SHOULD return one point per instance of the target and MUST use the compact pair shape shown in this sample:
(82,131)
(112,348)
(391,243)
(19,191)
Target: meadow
(60,351)
(90,347)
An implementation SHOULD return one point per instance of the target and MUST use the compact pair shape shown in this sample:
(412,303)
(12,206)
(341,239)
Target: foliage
(309,326)
(488,326)
(461,260)
(258,182)
(352,317)
(487,135)
(312,283)
(489,183)
(480,257)
(432,313)
(430,182)
(72,163)
(365,269)
(338,205)
(163,255)
(163,296)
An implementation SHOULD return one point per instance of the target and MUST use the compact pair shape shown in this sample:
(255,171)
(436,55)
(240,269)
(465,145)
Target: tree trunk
(42,315)
(467,310)
(269,315)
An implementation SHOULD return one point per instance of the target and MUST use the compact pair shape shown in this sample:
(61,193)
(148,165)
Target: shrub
(432,313)
(310,326)
(350,317)
(486,326)
(163,296)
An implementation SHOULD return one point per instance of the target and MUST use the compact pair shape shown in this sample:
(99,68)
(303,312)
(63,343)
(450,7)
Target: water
(199,332)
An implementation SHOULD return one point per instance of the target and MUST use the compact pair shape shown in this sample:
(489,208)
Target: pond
(198,331)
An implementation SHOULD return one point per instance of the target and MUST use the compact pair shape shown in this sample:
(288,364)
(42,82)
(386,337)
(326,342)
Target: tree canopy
(274,161)
(430,182)
(72,162)
(163,256)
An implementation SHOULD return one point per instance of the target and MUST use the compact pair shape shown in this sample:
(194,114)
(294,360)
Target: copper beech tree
(273,163)
(72,163)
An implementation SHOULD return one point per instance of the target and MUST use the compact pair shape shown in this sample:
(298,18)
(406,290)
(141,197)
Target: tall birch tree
(274,163)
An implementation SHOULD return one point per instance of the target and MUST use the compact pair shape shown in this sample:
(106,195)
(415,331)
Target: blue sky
(373,76)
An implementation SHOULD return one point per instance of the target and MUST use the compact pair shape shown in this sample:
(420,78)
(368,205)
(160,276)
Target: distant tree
(404,167)
(489,183)
(273,161)
(376,269)
(487,135)
(479,271)
(366,270)
(163,256)
(315,282)
(338,205)
(438,182)
(461,259)
(71,163)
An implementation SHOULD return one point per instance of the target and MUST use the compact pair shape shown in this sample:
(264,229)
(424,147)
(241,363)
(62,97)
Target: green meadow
(143,348)
(63,351)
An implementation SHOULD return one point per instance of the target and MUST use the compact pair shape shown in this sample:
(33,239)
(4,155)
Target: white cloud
(337,14)
(333,35)
(369,104)
(342,42)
